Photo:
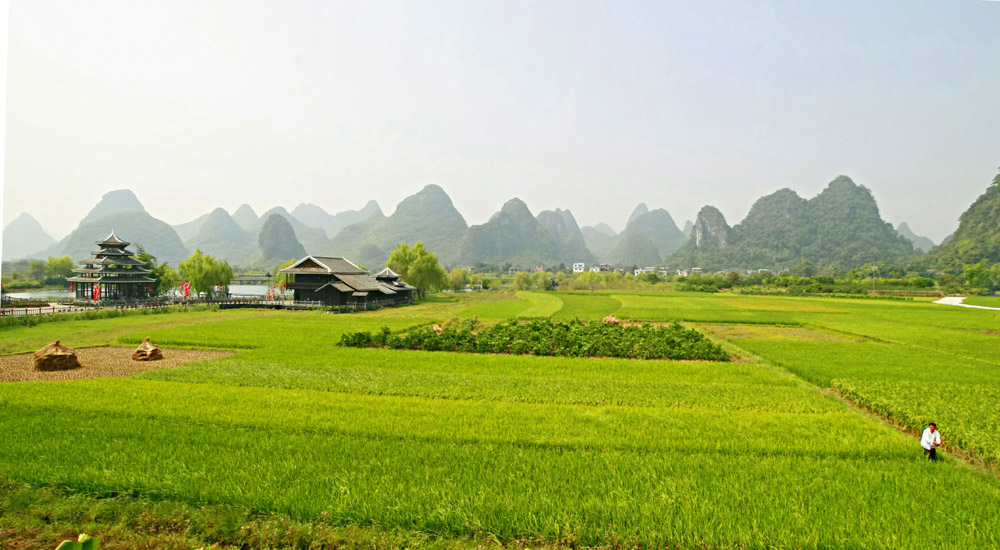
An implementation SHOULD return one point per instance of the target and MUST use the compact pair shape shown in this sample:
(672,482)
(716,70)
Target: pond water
(41,294)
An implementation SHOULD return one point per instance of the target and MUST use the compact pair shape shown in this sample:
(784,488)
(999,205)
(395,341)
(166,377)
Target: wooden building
(113,273)
(338,282)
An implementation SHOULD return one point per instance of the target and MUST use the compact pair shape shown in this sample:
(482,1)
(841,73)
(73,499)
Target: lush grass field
(988,301)
(693,454)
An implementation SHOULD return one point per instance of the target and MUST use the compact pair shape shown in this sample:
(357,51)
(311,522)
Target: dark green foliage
(977,237)
(544,337)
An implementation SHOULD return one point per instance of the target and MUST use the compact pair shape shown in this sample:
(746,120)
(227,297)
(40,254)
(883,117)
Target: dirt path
(960,301)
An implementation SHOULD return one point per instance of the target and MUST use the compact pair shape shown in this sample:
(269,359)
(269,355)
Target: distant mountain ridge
(977,237)
(920,244)
(314,216)
(278,242)
(512,235)
(220,236)
(120,211)
(24,237)
(428,216)
(841,227)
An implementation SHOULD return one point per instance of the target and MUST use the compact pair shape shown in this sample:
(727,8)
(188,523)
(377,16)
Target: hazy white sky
(581,105)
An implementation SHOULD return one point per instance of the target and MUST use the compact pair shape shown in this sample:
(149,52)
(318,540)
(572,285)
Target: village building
(578,267)
(338,282)
(111,274)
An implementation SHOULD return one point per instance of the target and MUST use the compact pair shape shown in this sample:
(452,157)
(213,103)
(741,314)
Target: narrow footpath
(960,301)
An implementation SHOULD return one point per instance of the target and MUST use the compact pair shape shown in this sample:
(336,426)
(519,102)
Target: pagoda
(112,274)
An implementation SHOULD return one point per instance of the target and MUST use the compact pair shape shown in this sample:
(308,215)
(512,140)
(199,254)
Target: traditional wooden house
(112,274)
(338,282)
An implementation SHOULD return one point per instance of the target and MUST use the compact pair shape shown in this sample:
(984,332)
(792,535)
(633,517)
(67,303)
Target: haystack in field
(56,356)
(147,351)
(611,319)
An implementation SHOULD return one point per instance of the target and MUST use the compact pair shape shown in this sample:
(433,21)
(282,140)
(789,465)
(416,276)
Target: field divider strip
(960,455)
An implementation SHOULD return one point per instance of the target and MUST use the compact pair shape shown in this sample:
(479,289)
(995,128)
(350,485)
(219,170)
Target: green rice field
(805,440)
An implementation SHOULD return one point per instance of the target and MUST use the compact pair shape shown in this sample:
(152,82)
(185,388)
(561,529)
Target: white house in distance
(578,267)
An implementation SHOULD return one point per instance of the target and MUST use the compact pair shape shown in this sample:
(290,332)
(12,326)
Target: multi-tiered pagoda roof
(114,271)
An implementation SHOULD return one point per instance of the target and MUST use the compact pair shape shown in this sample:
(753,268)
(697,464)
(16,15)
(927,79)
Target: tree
(418,267)
(401,258)
(164,277)
(543,281)
(36,271)
(458,278)
(59,267)
(477,280)
(280,277)
(981,276)
(523,281)
(205,272)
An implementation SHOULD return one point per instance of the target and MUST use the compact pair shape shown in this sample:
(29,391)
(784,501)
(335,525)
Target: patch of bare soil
(771,332)
(100,362)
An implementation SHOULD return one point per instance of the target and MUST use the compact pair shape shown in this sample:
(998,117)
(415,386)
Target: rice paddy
(792,446)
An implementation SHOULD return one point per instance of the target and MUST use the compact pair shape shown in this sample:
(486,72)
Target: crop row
(676,476)
(543,337)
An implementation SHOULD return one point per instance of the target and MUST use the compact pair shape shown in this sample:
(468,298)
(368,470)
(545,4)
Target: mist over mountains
(841,227)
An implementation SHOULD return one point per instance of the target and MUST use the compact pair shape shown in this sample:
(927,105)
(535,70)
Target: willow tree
(205,272)
(419,267)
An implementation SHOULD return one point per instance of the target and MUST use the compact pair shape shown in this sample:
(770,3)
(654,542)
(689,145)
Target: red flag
(71,286)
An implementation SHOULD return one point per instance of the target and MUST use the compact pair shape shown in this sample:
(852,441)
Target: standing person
(930,441)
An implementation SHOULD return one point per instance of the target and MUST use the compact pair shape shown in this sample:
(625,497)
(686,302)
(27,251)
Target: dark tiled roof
(135,279)
(112,239)
(322,264)
(111,260)
(359,282)
(387,274)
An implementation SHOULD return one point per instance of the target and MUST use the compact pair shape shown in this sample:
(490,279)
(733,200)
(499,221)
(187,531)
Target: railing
(913,293)
(304,286)
(228,303)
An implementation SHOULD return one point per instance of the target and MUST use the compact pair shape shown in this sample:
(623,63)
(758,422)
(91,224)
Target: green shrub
(544,338)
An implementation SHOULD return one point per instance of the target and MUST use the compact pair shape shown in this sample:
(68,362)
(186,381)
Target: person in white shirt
(930,441)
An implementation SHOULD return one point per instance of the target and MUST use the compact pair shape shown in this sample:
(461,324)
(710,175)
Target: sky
(590,106)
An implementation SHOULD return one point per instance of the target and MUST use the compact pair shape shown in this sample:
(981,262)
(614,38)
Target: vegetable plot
(543,337)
